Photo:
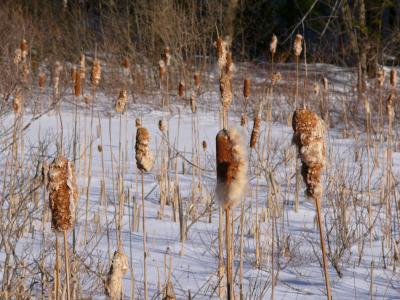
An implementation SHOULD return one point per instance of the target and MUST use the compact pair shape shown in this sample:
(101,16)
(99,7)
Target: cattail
(255,133)
(393,78)
(193,104)
(56,75)
(276,77)
(225,86)
(114,282)
(204,144)
(77,84)
(161,69)
(309,137)
(42,80)
(222,48)
(73,74)
(162,125)
(273,44)
(96,72)
(100,148)
(231,167)
(181,88)
(197,80)
(167,56)
(17,103)
(389,105)
(24,50)
(246,88)
(122,101)
(316,89)
(380,77)
(63,193)
(82,68)
(17,56)
(325,84)
(144,157)
(138,123)
(125,66)
(297,46)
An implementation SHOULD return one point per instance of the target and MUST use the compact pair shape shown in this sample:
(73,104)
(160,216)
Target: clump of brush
(63,193)
(114,282)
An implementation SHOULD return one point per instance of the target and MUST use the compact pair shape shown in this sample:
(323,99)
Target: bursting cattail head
(17,103)
(42,80)
(161,69)
(197,80)
(273,44)
(255,133)
(231,167)
(246,88)
(120,106)
(309,138)
(380,77)
(82,67)
(225,87)
(114,282)
(77,84)
(297,46)
(222,48)
(96,72)
(181,88)
(162,125)
(276,77)
(63,193)
(393,78)
(193,104)
(144,157)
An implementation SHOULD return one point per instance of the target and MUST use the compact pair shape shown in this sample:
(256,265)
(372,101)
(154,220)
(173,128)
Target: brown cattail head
(225,86)
(167,56)
(193,104)
(255,133)
(100,148)
(273,44)
(325,84)
(161,69)
(389,106)
(24,50)
(42,80)
(204,144)
(297,46)
(17,102)
(380,77)
(309,137)
(231,167)
(56,75)
(197,80)
(82,68)
(144,157)
(393,78)
(125,63)
(96,72)
(138,123)
(162,125)
(63,193)
(114,282)
(120,106)
(77,84)
(276,77)
(246,88)
(222,48)
(181,88)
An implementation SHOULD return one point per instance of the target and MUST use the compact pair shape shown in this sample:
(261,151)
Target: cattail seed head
(17,103)
(42,80)
(96,72)
(225,86)
(297,46)
(273,44)
(120,106)
(144,157)
(63,193)
(82,68)
(380,77)
(255,133)
(246,88)
(309,137)
(162,125)
(77,84)
(193,104)
(393,78)
(316,89)
(204,144)
(181,88)
(161,69)
(222,48)
(389,106)
(231,167)
(114,282)
(24,50)
(100,148)
(167,56)
(243,120)
(56,75)
(197,80)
